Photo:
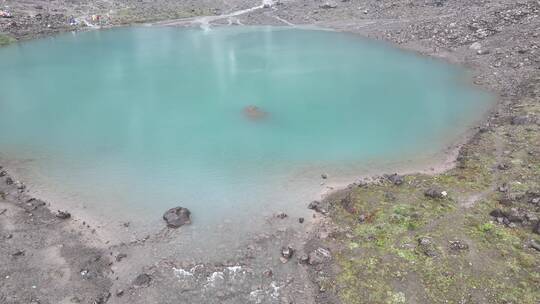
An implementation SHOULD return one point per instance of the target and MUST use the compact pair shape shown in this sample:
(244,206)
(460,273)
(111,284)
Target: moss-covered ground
(401,246)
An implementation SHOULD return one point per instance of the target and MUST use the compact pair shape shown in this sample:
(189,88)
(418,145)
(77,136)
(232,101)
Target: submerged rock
(254,113)
(177,216)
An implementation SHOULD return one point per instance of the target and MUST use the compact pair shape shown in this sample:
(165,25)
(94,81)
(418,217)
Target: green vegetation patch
(6,39)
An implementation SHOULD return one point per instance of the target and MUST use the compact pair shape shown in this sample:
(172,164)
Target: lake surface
(130,122)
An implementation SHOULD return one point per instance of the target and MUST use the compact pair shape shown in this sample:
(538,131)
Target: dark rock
(9,181)
(435,193)
(177,217)
(535,245)
(362,184)
(482,52)
(18,253)
(503,188)
(520,120)
(324,176)
(515,216)
(287,252)
(301,220)
(3,173)
(64,215)
(318,207)
(281,215)
(536,228)
(121,256)
(395,179)
(362,218)
(503,166)
(102,299)
(507,200)
(348,204)
(142,280)
(303,259)
(498,213)
(119,292)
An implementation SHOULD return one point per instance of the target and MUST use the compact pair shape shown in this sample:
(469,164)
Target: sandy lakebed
(468,233)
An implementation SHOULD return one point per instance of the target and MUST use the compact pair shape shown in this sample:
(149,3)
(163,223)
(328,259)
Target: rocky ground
(469,235)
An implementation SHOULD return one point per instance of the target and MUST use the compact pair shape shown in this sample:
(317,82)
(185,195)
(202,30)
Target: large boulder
(177,216)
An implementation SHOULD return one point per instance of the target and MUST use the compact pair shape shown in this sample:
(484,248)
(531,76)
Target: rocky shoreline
(376,241)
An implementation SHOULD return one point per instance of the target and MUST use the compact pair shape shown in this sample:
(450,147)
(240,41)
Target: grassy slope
(381,260)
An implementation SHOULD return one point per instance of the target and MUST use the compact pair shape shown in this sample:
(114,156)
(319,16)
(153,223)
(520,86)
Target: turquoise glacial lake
(235,123)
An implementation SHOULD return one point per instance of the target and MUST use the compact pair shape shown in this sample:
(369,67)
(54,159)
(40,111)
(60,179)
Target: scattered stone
(515,216)
(324,176)
(318,207)
(63,215)
(503,188)
(536,228)
(458,245)
(328,5)
(121,256)
(482,52)
(426,246)
(9,181)
(177,217)
(535,245)
(520,120)
(498,213)
(303,259)
(119,292)
(319,256)
(301,220)
(348,204)
(503,166)
(287,252)
(362,218)
(362,184)
(268,273)
(142,280)
(3,211)
(395,179)
(281,215)
(435,193)
(18,253)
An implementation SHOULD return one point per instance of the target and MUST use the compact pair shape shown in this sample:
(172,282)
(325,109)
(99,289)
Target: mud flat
(467,235)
